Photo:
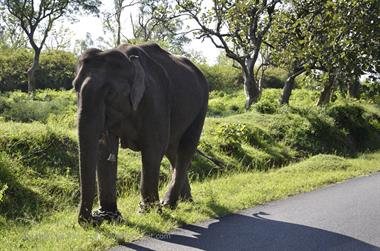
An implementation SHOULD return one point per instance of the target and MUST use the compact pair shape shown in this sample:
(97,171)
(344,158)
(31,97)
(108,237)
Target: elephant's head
(102,77)
(111,72)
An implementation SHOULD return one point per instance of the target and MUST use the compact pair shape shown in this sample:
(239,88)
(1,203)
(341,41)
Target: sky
(93,25)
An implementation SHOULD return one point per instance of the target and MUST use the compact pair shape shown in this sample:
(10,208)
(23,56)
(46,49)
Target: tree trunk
(325,96)
(354,88)
(118,38)
(287,90)
(32,71)
(252,91)
(289,85)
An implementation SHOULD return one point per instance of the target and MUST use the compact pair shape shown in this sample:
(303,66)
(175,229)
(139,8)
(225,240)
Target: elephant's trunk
(90,125)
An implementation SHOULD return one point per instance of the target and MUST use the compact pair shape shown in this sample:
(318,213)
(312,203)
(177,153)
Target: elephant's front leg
(106,175)
(151,160)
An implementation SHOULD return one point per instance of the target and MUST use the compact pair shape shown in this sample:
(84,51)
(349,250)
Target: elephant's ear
(138,86)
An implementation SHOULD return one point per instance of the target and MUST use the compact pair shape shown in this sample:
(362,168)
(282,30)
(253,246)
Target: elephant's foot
(169,204)
(146,207)
(85,221)
(185,195)
(98,217)
(103,215)
(169,201)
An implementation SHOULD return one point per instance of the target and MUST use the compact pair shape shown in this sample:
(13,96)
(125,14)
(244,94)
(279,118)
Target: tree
(36,19)
(239,28)
(82,45)
(336,37)
(112,21)
(60,38)
(11,34)
(156,22)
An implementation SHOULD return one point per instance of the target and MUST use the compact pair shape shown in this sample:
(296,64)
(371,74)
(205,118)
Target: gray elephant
(145,99)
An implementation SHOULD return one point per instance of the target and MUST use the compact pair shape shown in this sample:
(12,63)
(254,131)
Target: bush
(231,136)
(360,126)
(57,69)
(266,106)
(13,67)
(21,107)
(222,77)
(370,90)
(274,78)
(223,104)
(268,103)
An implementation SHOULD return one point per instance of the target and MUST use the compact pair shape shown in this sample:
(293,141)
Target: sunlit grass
(213,198)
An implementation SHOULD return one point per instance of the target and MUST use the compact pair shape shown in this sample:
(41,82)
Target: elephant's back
(188,87)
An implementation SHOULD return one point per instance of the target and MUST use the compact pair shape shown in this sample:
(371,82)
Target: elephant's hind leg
(186,149)
(185,193)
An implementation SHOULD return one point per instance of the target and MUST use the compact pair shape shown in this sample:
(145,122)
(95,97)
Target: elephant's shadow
(246,232)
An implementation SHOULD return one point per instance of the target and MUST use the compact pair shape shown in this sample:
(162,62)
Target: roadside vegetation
(254,152)
(309,114)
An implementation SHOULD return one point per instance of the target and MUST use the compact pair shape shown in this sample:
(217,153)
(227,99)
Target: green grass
(213,198)
(39,164)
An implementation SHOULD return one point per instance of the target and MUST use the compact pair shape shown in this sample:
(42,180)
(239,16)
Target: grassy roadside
(213,198)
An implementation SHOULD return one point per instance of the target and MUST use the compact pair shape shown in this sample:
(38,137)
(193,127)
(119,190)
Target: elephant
(143,98)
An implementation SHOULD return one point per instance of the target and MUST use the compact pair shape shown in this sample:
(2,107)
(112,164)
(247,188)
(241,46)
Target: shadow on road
(241,232)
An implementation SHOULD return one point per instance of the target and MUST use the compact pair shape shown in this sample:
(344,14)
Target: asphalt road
(345,216)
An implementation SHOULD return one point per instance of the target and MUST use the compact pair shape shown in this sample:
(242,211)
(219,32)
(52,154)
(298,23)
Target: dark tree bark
(289,85)
(354,88)
(32,72)
(325,96)
(251,89)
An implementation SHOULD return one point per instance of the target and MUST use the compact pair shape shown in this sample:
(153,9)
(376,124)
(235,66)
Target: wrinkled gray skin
(149,101)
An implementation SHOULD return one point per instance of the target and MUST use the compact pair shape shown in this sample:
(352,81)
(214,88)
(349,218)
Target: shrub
(232,135)
(274,78)
(223,104)
(370,90)
(13,67)
(268,103)
(221,77)
(360,126)
(19,106)
(57,69)
(266,106)
(310,131)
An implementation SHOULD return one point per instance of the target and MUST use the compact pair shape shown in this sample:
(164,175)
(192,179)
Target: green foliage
(266,106)
(274,78)
(223,104)
(333,36)
(39,158)
(221,77)
(13,67)
(324,163)
(231,136)
(2,191)
(41,106)
(57,69)
(360,126)
(39,146)
(370,91)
